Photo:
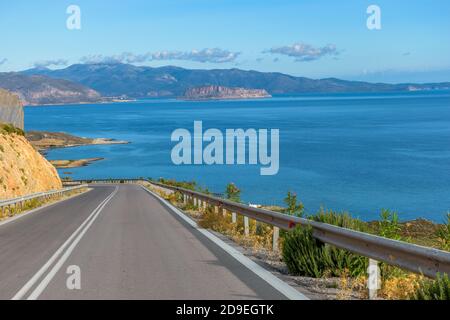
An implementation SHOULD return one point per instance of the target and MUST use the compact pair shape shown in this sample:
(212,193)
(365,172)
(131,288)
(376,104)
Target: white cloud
(304,52)
(214,55)
(49,63)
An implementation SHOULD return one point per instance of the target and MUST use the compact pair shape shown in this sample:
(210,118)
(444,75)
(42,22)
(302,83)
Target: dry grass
(35,203)
(400,287)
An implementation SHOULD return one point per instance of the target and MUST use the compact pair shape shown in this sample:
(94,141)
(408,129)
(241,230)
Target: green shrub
(306,256)
(190,185)
(389,226)
(443,234)
(233,193)
(10,129)
(343,220)
(293,209)
(438,289)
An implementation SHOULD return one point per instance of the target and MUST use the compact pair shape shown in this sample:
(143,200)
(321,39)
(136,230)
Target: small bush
(343,220)
(293,209)
(306,256)
(438,289)
(233,193)
(190,185)
(389,226)
(10,129)
(444,235)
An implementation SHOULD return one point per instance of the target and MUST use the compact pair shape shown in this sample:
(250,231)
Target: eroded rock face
(23,170)
(11,110)
(220,92)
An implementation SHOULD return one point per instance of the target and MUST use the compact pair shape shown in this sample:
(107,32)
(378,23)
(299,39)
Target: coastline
(44,141)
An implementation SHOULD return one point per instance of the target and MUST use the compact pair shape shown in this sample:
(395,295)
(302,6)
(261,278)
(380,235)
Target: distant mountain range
(87,82)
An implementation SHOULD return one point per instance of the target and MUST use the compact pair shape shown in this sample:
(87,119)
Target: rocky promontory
(11,110)
(220,92)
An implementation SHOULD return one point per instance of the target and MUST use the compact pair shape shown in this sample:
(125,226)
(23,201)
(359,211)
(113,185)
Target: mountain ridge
(117,79)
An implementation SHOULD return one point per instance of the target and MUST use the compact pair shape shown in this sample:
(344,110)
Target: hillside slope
(23,170)
(37,89)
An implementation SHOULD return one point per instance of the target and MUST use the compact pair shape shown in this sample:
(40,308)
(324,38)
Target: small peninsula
(43,140)
(69,164)
(223,93)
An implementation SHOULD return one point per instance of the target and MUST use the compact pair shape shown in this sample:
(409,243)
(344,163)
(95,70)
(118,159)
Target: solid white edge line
(49,277)
(21,215)
(23,291)
(267,276)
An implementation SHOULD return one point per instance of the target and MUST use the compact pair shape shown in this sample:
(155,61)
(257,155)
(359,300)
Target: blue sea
(347,152)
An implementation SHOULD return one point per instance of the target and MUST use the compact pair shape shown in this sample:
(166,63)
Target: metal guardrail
(411,257)
(20,201)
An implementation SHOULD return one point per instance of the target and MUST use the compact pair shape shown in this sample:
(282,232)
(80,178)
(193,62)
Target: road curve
(126,245)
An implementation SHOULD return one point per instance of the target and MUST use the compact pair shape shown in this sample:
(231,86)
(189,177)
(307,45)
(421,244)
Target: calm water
(358,153)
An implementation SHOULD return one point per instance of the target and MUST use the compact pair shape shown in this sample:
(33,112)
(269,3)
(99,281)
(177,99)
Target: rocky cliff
(220,92)
(11,110)
(22,169)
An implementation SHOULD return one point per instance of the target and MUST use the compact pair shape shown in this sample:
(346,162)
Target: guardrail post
(374,281)
(184,199)
(216,209)
(224,212)
(233,217)
(276,236)
(195,201)
(246,226)
(205,205)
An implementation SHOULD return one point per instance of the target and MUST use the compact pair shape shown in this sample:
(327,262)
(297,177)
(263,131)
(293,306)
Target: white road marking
(267,276)
(80,232)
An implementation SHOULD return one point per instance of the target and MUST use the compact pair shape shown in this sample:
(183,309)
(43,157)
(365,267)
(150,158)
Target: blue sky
(312,38)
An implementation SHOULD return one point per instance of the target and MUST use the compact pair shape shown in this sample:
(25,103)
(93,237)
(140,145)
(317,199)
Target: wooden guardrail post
(374,280)
(233,217)
(275,240)
(246,226)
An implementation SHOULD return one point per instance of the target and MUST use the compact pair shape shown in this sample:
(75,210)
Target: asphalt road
(118,242)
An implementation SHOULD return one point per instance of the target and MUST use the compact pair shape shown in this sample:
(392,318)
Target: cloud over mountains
(49,63)
(212,55)
(303,52)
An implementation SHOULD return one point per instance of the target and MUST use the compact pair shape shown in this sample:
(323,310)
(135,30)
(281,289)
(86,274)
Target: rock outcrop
(11,110)
(23,170)
(220,92)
